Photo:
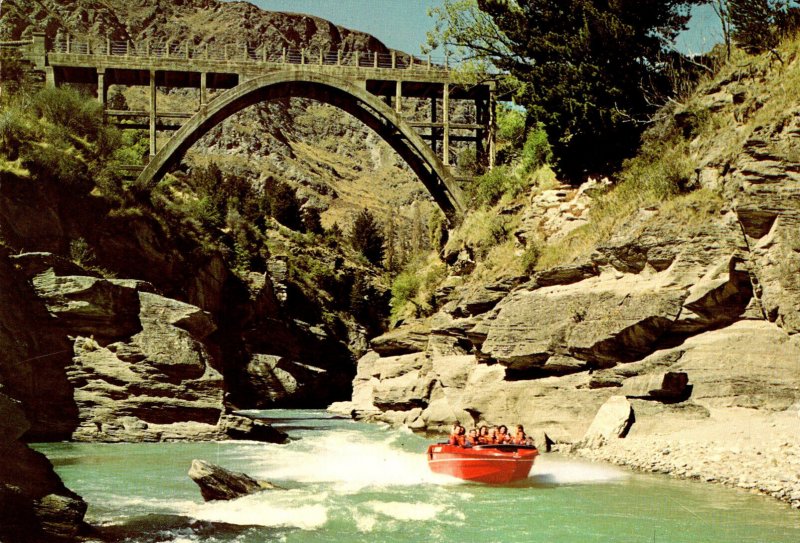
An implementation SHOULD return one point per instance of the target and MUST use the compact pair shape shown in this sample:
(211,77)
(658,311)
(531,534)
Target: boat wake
(349,459)
(558,471)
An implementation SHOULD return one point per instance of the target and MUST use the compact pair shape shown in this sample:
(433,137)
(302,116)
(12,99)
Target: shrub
(66,107)
(80,252)
(536,152)
(312,222)
(50,163)
(14,132)
(467,162)
(404,289)
(490,187)
(13,76)
(280,202)
(531,257)
(510,125)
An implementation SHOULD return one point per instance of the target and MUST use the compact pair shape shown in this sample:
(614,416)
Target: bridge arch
(366,107)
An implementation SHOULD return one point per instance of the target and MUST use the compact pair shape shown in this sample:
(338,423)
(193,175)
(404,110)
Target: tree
(754,24)
(366,237)
(592,71)
(723,11)
(281,203)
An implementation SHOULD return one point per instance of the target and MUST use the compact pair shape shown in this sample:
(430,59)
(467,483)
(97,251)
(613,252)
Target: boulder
(752,364)
(13,423)
(217,483)
(239,427)
(668,387)
(279,381)
(158,384)
(613,420)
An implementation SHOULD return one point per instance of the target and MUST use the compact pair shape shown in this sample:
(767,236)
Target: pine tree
(366,237)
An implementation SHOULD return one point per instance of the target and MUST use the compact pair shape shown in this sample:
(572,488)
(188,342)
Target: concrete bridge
(375,88)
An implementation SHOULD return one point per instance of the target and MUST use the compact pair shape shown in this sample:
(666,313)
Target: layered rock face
(34,503)
(139,369)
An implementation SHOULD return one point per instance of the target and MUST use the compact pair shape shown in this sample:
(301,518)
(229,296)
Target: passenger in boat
(520,438)
(493,435)
(472,438)
(503,435)
(483,435)
(458,436)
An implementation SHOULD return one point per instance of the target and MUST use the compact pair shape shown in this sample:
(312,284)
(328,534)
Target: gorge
(156,317)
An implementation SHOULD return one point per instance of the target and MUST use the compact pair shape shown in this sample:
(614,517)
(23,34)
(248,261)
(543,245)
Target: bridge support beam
(153,146)
(203,89)
(492,136)
(446,123)
(398,95)
(434,117)
(102,88)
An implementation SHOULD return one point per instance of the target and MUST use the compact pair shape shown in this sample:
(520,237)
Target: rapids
(349,482)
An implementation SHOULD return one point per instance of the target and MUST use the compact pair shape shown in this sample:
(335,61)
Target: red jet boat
(493,464)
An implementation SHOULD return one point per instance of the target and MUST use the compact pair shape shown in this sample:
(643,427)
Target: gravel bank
(736,447)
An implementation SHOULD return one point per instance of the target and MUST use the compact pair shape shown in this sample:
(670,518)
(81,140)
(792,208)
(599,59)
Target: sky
(403,24)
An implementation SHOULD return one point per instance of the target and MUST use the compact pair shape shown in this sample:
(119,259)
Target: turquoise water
(351,482)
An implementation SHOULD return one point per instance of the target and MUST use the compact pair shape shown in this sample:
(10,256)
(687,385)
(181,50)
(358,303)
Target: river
(351,482)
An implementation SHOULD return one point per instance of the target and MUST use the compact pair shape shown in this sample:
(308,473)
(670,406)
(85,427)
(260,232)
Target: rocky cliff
(687,310)
(119,325)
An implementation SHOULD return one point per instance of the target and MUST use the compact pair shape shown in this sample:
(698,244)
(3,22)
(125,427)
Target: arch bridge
(372,87)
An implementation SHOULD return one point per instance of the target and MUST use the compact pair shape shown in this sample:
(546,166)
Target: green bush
(50,163)
(66,107)
(536,152)
(14,132)
(490,187)
(510,125)
(80,252)
(280,202)
(531,257)
(404,289)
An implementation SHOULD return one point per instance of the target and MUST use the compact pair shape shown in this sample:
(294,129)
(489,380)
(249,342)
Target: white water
(351,482)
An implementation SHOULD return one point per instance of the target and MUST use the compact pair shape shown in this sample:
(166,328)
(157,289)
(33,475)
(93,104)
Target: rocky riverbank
(736,447)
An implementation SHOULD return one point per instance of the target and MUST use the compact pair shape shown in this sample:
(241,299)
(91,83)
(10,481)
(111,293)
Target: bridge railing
(15,43)
(246,53)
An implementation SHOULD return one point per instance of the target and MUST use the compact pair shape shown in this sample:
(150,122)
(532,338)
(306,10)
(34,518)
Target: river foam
(549,470)
(350,460)
(272,509)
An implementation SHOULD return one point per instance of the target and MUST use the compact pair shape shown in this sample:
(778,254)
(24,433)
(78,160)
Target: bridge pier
(153,146)
(102,88)
(398,94)
(446,122)
(203,89)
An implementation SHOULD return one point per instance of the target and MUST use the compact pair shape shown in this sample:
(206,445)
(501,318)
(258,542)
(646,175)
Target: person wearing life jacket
(483,435)
(472,438)
(520,438)
(503,435)
(458,436)
(493,435)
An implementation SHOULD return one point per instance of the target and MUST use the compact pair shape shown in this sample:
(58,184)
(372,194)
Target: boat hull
(492,464)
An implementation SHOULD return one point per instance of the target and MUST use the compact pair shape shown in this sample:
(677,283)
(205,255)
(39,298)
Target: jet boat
(492,464)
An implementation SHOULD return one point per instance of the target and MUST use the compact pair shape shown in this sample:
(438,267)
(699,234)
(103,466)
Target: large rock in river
(217,483)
